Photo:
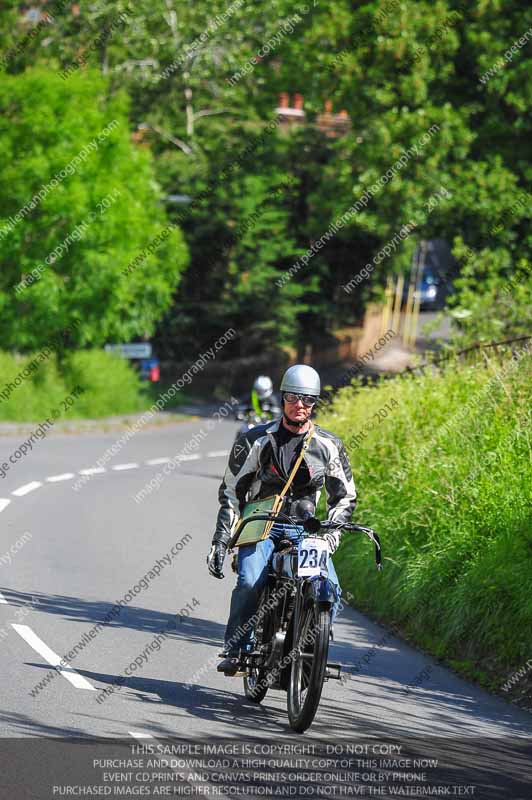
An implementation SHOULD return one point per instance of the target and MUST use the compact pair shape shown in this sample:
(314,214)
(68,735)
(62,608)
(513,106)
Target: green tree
(91,243)
(493,301)
(399,68)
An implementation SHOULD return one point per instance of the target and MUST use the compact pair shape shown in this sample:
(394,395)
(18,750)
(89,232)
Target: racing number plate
(312,556)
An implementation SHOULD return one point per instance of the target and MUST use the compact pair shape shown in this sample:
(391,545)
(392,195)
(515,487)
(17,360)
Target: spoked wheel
(256,681)
(311,648)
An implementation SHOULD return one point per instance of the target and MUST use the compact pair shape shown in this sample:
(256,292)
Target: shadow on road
(211,704)
(76,609)
(25,725)
(374,699)
(194,629)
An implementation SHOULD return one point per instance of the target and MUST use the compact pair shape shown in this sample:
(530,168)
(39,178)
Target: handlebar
(313,525)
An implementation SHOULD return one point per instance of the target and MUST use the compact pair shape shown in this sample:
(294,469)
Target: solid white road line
(27,488)
(154,461)
(119,467)
(53,659)
(189,458)
(66,476)
(2,599)
(92,471)
(215,453)
(4,503)
(138,735)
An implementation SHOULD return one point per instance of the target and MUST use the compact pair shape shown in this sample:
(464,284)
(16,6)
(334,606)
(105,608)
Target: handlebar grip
(370,533)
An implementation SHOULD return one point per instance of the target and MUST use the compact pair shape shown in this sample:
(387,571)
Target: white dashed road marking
(137,735)
(27,488)
(52,658)
(66,476)
(92,471)
(25,631)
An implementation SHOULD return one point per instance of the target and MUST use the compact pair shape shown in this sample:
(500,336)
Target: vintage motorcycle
(292,623)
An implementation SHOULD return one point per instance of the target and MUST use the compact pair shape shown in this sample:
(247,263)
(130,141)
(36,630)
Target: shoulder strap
(299,459)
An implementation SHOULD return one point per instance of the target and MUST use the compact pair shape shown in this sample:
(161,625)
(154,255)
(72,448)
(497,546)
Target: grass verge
(443,469)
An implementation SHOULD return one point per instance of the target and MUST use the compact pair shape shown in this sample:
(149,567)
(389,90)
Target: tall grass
(446,480)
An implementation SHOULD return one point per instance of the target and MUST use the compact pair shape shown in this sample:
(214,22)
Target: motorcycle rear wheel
(256,681)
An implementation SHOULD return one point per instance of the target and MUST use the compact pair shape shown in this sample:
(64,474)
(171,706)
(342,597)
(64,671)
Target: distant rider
(263,401)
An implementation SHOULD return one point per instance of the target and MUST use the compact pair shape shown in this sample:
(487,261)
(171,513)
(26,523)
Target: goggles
(308,400)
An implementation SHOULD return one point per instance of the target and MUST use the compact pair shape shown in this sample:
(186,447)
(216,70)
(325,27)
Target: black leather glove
(216,558)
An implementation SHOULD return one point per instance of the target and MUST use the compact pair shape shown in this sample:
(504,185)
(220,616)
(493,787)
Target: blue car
(436,275)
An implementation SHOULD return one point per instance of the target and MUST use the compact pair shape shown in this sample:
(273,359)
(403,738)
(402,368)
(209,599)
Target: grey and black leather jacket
(254,472)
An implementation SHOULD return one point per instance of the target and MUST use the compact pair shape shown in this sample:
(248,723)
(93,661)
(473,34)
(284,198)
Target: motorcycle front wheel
(311,649)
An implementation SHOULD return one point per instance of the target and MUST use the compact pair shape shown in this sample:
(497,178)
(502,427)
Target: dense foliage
(79,204)
(87,384)
(398,67)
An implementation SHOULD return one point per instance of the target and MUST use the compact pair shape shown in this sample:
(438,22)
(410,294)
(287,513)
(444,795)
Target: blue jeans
(253,560)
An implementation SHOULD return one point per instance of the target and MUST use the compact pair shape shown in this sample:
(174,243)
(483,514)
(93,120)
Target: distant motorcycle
(250,419)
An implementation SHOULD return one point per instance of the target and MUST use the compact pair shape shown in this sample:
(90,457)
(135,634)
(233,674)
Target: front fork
(323,590)
(325,594)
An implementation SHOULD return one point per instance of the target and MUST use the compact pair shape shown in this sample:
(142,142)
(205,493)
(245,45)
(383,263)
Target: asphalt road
(79,552)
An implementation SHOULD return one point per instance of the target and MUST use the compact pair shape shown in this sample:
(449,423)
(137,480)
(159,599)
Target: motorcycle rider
(262,398)
(261,405)
(259,465)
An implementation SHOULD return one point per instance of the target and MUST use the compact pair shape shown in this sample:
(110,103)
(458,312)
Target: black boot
(229,664)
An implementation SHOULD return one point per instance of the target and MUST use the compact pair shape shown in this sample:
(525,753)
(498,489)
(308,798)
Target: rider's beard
(298,423)
(295,423)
